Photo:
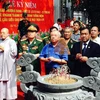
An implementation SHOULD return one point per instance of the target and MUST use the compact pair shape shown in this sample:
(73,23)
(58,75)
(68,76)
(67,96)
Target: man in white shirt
(72,22)
(94,34)
(58,24)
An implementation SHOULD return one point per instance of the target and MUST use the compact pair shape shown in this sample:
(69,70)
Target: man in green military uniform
(45,37)
(69,43)
(31,45)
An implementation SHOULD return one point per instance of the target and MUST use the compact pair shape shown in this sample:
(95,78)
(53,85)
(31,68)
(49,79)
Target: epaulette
(23,39)
(39,40)
(45,37)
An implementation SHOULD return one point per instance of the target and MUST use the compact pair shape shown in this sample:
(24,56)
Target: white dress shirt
(57,26)
(96,40)
(86,44)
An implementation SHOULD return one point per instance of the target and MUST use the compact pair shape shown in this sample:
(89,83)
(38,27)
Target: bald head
(4,33)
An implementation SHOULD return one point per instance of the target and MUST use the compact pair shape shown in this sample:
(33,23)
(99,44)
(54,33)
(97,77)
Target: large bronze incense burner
(58,85)
(59,80)
(45,85)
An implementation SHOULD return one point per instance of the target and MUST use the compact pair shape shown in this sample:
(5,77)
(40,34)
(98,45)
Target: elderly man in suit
(83,50)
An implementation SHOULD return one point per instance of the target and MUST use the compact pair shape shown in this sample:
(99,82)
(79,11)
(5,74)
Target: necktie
(84,49)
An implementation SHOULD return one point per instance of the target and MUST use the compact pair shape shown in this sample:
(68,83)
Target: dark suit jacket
(81,68)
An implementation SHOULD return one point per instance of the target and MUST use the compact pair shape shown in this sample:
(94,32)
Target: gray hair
(57,32)
(71,29)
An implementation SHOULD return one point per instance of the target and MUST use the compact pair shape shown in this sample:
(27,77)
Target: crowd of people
(73,46)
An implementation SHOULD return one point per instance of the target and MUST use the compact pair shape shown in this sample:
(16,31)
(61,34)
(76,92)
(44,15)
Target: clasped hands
(50,59)
(81,58)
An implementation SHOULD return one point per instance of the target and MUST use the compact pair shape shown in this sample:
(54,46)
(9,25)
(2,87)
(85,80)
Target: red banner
(39,12)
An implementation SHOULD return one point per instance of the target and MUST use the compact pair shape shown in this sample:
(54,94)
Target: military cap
(32,27)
